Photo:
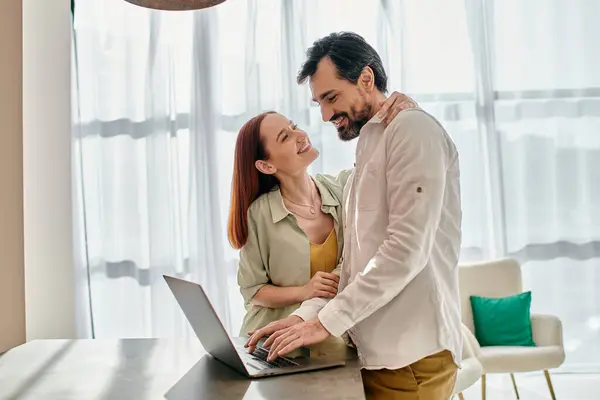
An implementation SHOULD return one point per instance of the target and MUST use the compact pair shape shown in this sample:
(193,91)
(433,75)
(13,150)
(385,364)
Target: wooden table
(138,369)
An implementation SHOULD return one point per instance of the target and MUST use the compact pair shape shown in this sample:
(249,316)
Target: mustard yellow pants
(431,378)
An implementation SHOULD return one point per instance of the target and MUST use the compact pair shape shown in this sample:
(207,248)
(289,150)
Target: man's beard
(353,125)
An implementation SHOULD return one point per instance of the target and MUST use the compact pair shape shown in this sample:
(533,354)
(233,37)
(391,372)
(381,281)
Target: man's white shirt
(398,294)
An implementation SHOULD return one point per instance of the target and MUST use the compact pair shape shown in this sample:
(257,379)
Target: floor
(533,387)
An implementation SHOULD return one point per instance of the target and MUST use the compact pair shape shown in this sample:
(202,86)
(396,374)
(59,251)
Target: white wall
(49,271)
(12,297)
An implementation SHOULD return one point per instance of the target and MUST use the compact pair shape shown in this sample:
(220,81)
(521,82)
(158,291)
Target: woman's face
(289,149)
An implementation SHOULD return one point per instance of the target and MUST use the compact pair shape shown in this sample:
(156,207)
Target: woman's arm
(251,275)
(323,285)
(271,296)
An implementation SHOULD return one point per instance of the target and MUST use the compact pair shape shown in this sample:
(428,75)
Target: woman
(286,223)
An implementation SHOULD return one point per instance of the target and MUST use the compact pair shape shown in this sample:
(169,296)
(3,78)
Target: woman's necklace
(311,218)
(311,207)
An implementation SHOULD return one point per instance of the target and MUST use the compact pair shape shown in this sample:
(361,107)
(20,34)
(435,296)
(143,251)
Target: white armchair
(502,278)
(471,370)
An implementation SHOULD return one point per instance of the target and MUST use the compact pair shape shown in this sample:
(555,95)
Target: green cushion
(503,321)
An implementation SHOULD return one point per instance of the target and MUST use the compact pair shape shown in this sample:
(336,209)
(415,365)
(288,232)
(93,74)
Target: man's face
(343,103)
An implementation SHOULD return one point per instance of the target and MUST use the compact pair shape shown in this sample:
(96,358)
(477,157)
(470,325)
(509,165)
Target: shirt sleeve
(417,158)
(252,274)
(336,183)
(343,176)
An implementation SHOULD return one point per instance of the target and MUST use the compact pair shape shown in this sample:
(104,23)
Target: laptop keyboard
(279,362)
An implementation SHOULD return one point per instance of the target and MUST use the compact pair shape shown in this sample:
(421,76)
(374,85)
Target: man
(398,292)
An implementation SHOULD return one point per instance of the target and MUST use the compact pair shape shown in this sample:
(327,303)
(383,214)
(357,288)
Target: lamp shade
(176,5)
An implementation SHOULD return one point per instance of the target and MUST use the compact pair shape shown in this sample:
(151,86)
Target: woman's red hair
(247,182)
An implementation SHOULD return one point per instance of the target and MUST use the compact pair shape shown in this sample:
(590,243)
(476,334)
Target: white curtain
(161,96)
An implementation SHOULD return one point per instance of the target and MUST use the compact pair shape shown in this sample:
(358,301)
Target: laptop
(230,350)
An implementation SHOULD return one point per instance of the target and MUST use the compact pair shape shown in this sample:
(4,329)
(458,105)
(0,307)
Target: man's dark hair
(350,53)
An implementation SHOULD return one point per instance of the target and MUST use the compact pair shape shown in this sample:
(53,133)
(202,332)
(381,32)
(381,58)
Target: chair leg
(550,387)
(483,387)
(512,377)
(461,396)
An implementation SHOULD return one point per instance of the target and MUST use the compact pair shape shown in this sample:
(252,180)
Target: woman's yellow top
(323,257)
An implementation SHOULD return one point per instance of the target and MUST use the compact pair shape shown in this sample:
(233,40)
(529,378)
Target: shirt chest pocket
(368,189)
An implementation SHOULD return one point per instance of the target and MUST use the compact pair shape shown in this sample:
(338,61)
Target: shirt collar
(279,211)
(371,125)
(376,119)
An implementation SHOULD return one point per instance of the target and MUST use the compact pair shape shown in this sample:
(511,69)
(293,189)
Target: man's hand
(393,105)
(273,327)
(289,339)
